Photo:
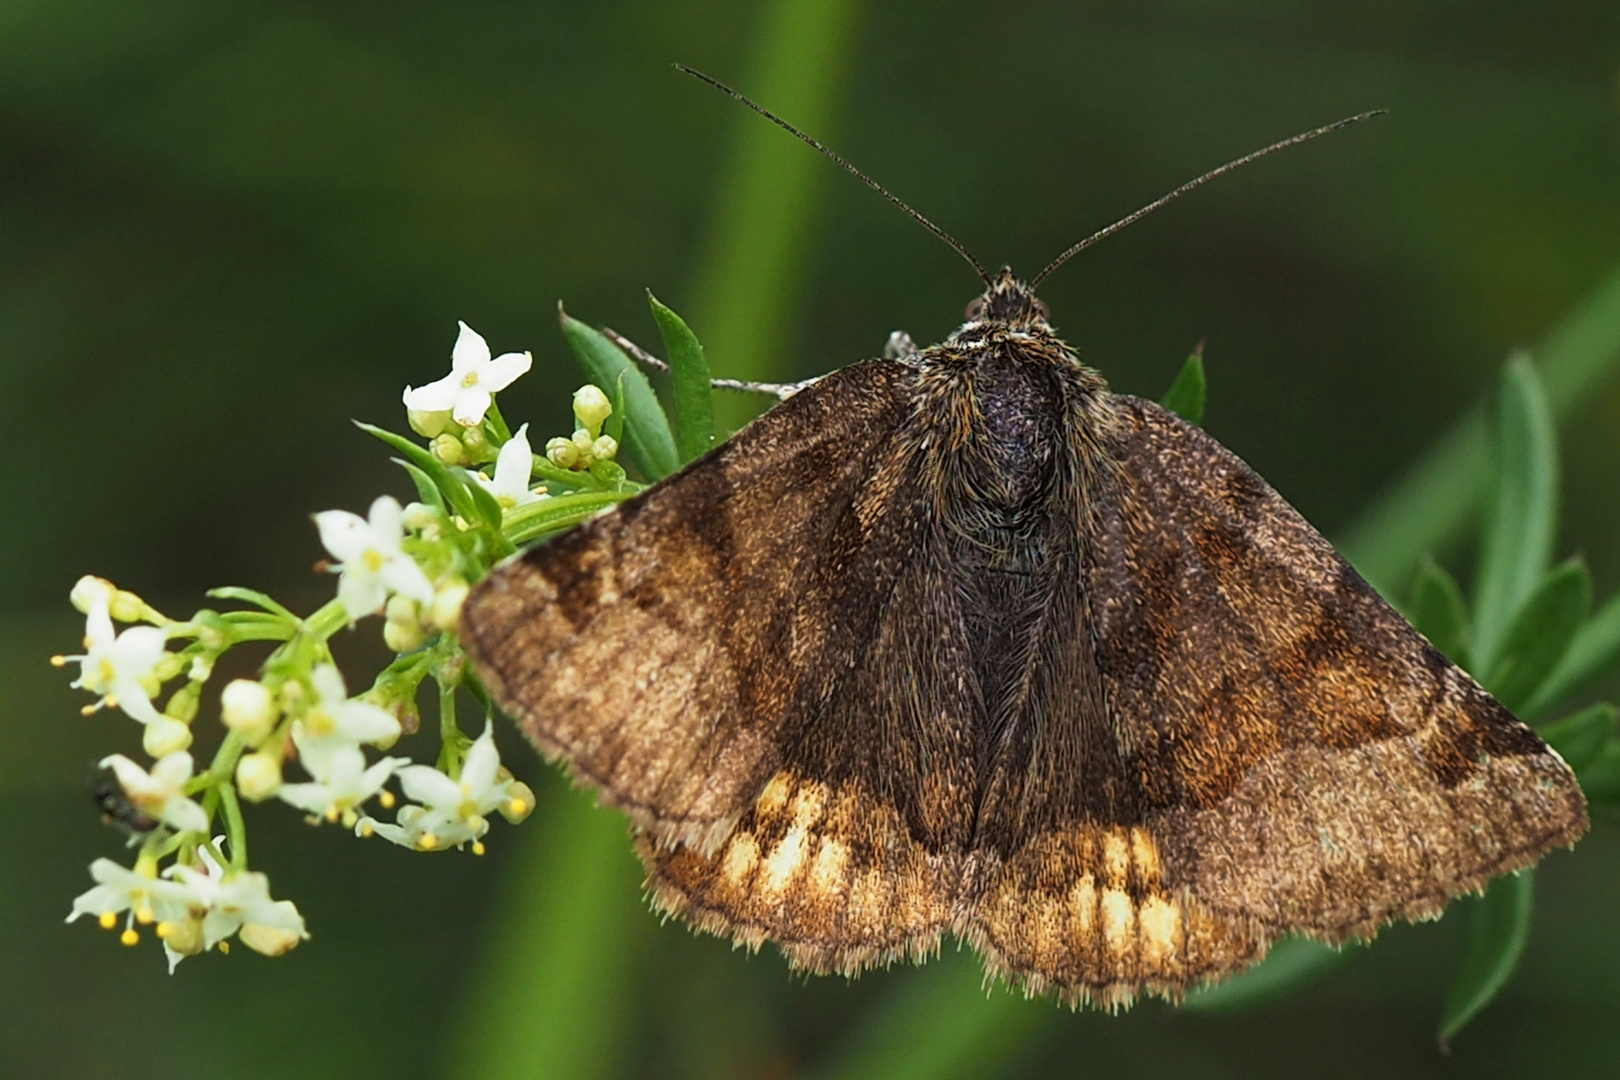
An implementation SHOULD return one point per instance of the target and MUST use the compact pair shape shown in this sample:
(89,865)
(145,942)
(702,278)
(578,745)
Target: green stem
(327,620)
(452,740)
(235,828)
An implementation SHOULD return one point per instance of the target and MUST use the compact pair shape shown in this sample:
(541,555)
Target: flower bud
(269,940)
(202,668)
(126,606)
(184,937)
(582,441)
(164,736)
(446,609)
(604,448)
(249,709)
(402,636)
(170,665)
(418,516)
(90,591)
(562,452)
(258,776)
(519,802)
(428,422)
(591,408)
(448,449)
(477,443)
(182,705)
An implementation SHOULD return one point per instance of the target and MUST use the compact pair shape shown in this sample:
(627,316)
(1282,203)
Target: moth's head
(1009,301)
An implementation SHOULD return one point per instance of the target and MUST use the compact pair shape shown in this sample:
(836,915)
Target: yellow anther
(349,818)
(319,722)
(427,841)
(89,710)
(387,800)
(367,831)
(478,847)
(111,701)
(58,660)
(144,915)
(225,947)
(129,936)
(107,919)
(331,813)
(470,379)
(373,560)
(164,929)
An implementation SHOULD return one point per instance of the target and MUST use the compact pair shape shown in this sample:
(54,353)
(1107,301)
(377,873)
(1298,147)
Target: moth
(959,642)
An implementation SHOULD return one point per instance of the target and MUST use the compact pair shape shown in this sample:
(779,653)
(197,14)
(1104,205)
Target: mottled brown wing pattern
(672,649)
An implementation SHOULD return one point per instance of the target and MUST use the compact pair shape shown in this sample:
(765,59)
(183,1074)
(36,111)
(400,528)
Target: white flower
(160,793)
(147,899)
(452,812)
(473,378)
(248,708)
(371,561)
(342,782)
(114,665)
(513,467)
(239,902)
(335,720)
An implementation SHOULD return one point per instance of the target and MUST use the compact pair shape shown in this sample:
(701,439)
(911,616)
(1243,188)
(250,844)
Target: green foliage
(647,433)
(689,382)
(1498,927)
(1185,397)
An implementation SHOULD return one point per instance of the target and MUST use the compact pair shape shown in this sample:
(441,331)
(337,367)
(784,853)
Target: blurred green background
(226,229)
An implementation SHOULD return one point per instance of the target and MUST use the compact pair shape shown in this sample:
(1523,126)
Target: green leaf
(454,488)
(1498,927)
(1292,965)
(613,426)
(536,519)
(254,597)
(1540,634)
(646,428)
(1600,780)
(1518,540)
(1439,612)
(1595,650)
(426,490)
(1581,736)
(1185,397)
(689,378)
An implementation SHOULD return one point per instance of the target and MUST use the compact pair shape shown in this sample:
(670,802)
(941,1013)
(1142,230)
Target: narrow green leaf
(689,378)
(1292,965)
(613,426)
(1600,780)
(1581,736)
(254,597)
(530,522)
(1435,499)
(646,429)
(1595,650)
(426,490)
(454,488)
(1185,397)
(1540,634)
(1498,927)
(1439,612)
(1518,540)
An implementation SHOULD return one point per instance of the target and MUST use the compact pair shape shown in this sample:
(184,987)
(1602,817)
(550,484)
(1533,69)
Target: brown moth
(959,642)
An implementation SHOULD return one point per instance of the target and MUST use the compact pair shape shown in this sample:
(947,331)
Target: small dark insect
(960,642)
(115,807)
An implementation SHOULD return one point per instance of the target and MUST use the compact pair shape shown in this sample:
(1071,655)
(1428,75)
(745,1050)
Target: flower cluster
(410,564)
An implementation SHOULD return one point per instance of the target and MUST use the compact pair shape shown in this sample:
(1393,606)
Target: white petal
(133,700)
(478,771)
(437,396)
(334,761)
(513,466)
(131,777)
(471,351)
(504,370)
(428,785)
(387,523)
(364,722)
(344,535)
(361,592)
(138,649)
(184,815)
(402,575)
(314,798)
(471,405)
(328,683)
(98,627)
(174,770)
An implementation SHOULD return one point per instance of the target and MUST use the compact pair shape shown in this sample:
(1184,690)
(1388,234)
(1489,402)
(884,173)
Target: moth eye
(1042,310)
(975,309)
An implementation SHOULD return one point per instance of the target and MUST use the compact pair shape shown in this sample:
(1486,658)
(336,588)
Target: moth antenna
(1132,218)
(978,267)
